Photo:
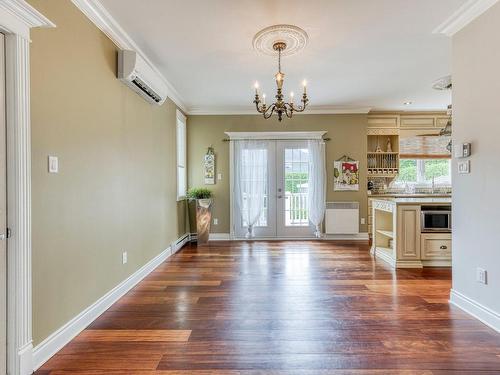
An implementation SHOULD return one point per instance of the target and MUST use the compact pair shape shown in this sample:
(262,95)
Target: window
(425,171)
(181,156)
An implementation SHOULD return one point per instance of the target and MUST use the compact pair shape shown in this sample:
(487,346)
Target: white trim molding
(57,340)
(233,136)
(17,17)
(105,22)
(250,110)
(463,16)
(482,313)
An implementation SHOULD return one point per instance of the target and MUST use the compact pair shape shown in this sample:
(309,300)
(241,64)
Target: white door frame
(16,19)
(234,136)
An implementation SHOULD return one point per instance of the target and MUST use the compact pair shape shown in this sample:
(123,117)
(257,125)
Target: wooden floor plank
(282,308)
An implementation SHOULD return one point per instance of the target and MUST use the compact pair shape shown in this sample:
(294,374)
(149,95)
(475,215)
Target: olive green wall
(347,133)
(114,191)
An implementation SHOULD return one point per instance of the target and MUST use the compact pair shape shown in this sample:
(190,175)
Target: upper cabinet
(417,122)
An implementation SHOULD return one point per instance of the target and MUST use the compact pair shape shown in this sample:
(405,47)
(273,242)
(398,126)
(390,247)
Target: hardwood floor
(282,308)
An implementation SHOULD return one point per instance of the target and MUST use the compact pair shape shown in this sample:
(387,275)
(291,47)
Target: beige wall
(114,191)
(348,133)
(476,206)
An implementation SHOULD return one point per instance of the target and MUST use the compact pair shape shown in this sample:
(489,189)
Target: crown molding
(249,110)
(463,16)
(18,17)
(104,21)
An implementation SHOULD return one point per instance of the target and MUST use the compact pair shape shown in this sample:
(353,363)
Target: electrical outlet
(124,257)
(363,221)
(481,276)
(219,176)
(216,221)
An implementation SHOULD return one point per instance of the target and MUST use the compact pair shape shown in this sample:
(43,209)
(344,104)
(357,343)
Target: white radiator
(342,218)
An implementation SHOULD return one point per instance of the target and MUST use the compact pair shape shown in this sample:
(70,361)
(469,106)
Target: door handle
(280,196)
(443,247)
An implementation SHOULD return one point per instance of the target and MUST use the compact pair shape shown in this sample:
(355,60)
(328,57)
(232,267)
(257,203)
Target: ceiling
(361,54)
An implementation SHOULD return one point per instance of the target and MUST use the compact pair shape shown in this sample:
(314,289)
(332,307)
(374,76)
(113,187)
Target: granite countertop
(421,200)
(409,195)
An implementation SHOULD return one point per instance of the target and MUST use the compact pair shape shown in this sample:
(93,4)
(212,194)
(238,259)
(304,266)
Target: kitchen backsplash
(380,187)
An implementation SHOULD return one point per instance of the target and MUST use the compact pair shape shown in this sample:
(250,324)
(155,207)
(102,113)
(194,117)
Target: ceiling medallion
(294,37)
(279,37)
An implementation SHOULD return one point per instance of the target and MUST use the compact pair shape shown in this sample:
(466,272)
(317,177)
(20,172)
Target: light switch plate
(464,167)
(124,257)
(219,176)
(53,164)
(363,221)
(216,221)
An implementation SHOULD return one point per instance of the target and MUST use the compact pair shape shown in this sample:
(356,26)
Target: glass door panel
(292,165)
(257,166)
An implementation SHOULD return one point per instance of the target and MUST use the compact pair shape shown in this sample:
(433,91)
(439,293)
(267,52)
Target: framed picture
(209,167)
(345,175)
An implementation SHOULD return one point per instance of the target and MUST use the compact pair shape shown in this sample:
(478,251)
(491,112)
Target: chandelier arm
(268,115)
(289,110)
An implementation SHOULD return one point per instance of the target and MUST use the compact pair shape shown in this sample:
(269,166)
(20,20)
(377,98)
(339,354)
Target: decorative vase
(203,218)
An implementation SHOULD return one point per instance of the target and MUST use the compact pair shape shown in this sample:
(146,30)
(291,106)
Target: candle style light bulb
(291,97)
(264,98)
(256,88)
(304,83)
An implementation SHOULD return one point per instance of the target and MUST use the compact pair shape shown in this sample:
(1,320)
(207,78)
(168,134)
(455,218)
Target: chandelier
(280,106)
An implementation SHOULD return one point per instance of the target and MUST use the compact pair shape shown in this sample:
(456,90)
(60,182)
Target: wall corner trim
(105,22)
(478,311)
(58,339)
(463,16)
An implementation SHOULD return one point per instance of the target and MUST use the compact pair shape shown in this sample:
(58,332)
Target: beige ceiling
(361,53)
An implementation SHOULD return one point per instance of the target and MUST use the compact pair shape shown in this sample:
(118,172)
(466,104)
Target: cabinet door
(436,246)
(408,233)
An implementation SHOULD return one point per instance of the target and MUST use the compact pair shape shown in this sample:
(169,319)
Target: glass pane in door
(295,186)
(254,171)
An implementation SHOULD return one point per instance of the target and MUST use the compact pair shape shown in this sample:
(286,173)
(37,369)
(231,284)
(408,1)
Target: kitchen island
(399,238)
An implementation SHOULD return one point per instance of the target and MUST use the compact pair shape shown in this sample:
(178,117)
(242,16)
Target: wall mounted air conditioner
(136,73)
(342,218)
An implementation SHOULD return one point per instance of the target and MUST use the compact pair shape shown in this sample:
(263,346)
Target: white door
(3,218)
(292,171)
(285,212)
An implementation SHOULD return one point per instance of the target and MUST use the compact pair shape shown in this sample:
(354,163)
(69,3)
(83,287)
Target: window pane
(423,171)
(439,169)
(407,170)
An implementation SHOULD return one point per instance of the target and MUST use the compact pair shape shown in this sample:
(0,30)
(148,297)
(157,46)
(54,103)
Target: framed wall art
(346,174)
(209,167)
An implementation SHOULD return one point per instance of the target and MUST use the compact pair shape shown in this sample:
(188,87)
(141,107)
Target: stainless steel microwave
(436,219)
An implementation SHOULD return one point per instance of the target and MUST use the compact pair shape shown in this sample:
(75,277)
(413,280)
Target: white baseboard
(55,342)
(363,236)
(478,311)
(213,237)
(219,237)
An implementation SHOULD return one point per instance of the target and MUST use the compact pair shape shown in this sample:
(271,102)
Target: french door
(285,212)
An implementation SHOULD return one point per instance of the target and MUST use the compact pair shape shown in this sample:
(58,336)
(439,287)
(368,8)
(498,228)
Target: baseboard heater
(342,218)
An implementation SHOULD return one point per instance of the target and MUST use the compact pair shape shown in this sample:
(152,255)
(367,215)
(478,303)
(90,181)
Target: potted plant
(203,198)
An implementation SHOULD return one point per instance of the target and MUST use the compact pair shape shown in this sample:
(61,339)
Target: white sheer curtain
(250,162)
(316,197)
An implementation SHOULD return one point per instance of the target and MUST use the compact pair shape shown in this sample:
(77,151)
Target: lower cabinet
(435,246)
(408,233)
